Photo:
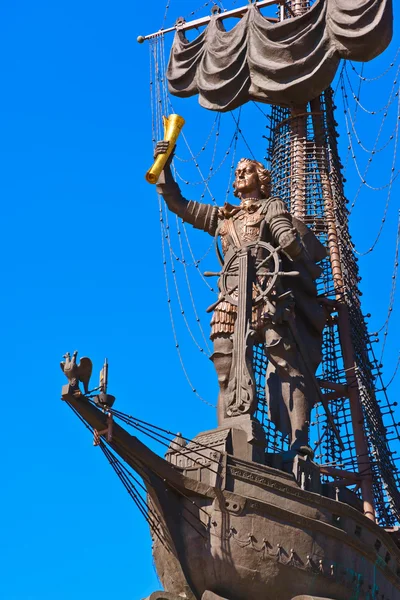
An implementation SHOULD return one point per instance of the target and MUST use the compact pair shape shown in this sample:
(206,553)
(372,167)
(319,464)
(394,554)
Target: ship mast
(298,136)
(299,209)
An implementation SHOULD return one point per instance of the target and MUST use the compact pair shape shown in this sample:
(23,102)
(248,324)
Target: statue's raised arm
(200,215)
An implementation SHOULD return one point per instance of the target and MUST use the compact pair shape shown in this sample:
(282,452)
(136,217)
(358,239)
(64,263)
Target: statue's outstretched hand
(161,148)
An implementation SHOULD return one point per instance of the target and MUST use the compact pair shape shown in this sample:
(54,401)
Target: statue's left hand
(290,244)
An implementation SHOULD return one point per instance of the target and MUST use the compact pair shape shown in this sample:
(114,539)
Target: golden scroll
(172,128)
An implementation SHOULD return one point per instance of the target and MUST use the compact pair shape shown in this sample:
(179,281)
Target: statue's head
(251,177)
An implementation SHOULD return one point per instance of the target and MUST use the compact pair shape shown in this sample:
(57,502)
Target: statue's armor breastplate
(247,227)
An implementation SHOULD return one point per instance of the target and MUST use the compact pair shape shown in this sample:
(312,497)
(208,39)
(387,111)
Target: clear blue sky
(82,268)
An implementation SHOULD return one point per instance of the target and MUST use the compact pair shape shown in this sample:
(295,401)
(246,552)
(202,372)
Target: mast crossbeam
(181,25)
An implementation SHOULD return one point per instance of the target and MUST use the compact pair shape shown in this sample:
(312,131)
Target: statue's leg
(287,383)
(222,359)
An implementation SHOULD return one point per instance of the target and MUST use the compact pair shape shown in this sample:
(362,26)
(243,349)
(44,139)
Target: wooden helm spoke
(265,281)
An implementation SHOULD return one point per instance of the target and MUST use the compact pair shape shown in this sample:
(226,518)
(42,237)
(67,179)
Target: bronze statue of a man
(291,331)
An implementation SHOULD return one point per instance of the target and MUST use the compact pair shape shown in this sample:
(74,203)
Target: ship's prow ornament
(81,372)
(75,372)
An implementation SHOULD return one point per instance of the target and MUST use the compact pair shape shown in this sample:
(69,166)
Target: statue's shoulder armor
(266,204)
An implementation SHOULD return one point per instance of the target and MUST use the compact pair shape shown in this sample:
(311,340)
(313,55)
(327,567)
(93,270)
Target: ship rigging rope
(140,502)
(157,433)
(211,170)
(119,468)
(198,321)
(352,130)
(232,167)
(394,373)
(165,14)
(193,158)
(377,77)
(174,332)
(388,406)
(144,507)
(337,412)
(196,262)
(193,514)
(178,295)
(152,431)
(386,508)
(182,261)
(156,101)
(162,439)
(216,123)
(194,11)
(129,480)
(197,10)
(180,257)
(237,123)
(389,186)
(356,97)
(375,150)
(385,326)
(125,476)
(160,104)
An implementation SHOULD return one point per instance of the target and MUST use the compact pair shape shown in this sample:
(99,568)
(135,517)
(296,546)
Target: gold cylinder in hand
(172,128)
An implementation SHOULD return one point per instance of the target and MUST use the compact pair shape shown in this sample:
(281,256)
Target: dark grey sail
(286,63)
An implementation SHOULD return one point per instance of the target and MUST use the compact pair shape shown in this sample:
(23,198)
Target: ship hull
(246,531)
(275,543)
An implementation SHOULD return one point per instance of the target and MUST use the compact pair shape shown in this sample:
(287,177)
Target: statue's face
(246,179)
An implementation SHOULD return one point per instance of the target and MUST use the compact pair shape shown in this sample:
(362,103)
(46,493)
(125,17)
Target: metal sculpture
(260,302)
(75,372)
(232,516)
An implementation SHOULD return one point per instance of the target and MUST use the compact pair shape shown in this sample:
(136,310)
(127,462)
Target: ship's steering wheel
(268,269)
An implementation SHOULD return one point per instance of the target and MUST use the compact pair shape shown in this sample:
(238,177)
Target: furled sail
(287,63)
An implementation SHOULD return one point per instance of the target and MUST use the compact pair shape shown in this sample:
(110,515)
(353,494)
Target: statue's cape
(287,63)
(308,306)
(316,251)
